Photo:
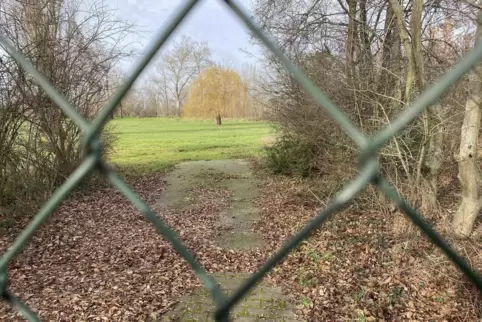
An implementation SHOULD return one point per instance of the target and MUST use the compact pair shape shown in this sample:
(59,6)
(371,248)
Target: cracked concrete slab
(236,221)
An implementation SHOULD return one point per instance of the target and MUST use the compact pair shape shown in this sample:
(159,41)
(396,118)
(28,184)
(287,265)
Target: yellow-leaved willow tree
(217,92)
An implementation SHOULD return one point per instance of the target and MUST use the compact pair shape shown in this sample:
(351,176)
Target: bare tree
(161,83)
(372,58)
(257,99)
(430,157)
(77,49)
(178,67)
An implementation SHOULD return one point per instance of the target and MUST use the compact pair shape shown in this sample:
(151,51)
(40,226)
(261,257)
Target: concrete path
(265,302)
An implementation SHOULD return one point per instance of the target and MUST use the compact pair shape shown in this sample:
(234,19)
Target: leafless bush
(356,52)
(77,50)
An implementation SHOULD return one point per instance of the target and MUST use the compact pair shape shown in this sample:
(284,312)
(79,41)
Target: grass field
(156,143)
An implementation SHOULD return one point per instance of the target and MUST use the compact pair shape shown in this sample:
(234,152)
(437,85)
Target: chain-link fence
(368,165)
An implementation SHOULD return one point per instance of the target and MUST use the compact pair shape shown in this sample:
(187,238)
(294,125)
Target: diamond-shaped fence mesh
(368,165)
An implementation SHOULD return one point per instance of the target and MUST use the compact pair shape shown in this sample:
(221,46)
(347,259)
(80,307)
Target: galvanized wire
(368,165)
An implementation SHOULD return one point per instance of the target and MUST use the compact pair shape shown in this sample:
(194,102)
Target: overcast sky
(210,20)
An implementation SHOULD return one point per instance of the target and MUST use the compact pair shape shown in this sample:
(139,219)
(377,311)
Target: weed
(440,298)
(305,301)
(328,257)
(359,295)
(243,313)
(361,317)
(396,294)
(306,278)
(314,255)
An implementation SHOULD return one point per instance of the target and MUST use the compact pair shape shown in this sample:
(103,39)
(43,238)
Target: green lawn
(155,143)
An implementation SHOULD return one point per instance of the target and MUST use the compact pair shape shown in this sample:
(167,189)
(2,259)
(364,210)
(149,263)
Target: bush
(291,155)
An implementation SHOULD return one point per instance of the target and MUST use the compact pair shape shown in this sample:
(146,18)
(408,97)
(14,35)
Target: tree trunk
(350,42)
(178,106)
(364,66)
(218,119)
(431,156)
(366,57)
(389,79)
(469,176)
(407,45)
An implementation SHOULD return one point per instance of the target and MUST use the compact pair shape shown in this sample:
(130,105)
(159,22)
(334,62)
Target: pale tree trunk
(469,176)
(178,106)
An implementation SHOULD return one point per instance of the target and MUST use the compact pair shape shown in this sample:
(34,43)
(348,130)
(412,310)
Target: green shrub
(291,155)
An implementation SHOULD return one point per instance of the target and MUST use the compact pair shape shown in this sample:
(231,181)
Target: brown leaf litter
(98,259)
